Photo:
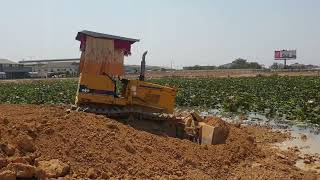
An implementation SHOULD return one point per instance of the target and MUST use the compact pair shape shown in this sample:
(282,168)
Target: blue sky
(185,32)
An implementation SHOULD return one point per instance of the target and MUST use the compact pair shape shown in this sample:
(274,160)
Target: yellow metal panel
(152,95)
(206,133)
(101,99)
(99,82)
(100,57)
(96,83)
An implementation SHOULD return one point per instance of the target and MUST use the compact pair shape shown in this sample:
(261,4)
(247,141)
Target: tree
(276,65)
(239,61)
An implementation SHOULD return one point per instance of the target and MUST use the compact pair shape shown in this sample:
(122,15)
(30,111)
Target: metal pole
(143,66)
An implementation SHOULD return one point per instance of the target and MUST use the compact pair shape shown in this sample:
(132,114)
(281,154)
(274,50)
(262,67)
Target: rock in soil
(23,160)
(54,168)
(3,162)
(303,137)
(22,170)
(7,175)
(25,143)
(8,149)
(93,173)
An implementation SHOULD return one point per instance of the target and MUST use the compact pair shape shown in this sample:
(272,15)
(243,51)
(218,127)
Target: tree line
(238,63)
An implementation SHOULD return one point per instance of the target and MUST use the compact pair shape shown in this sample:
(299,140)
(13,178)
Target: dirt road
(224,73)
(81,145)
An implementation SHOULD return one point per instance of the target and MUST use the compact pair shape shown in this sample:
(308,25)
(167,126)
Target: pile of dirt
(48,141)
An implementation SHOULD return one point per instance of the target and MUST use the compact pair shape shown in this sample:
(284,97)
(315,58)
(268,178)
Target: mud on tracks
(86,145)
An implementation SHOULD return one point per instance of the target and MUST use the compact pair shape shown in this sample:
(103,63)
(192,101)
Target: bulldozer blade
(206,133)
(196,117)
(212,134)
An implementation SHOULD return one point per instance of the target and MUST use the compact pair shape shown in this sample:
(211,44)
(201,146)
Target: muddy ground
(224,73)
(48,141)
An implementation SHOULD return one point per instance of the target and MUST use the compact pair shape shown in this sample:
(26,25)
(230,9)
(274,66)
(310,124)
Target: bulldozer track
(175,126)
(172,125)
(124,112)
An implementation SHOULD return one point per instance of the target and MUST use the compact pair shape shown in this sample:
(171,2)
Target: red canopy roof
(119,42)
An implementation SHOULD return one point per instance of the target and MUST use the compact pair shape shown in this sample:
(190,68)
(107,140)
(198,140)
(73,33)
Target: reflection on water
(307,141)
(309,144)
(314,167)
(306,136)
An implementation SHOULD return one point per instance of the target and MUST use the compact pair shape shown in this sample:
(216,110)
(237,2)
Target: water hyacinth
(296,98)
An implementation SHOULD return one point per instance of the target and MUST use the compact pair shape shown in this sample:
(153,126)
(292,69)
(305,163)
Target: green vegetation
(296,98)
(38,92)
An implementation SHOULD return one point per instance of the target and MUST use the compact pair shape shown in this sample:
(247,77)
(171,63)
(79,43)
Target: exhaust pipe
(143,66)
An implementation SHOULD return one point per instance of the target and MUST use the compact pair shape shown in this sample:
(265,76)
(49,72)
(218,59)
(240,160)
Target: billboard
(285,54)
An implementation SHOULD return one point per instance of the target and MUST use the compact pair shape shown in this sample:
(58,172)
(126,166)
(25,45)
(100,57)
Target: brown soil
(95,146)
(224,73)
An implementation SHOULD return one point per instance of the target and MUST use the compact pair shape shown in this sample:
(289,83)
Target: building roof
(104,36)
(50,60)
(228,65)
(297,65)
(6,61)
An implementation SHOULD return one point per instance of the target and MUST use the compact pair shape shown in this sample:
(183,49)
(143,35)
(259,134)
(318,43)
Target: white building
(53,67)
(12,70)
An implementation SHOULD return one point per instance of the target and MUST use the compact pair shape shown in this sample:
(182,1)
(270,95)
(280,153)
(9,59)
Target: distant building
(302,66)
(68,68)
(13,70)
(53,67)
(133,69)
(226,66)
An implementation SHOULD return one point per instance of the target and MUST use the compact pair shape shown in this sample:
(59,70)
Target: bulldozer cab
(101,65)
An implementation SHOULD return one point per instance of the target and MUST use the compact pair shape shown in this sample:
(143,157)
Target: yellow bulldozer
(101,68)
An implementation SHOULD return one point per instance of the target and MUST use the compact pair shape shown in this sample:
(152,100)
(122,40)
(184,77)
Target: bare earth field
(225,73)
(48,141)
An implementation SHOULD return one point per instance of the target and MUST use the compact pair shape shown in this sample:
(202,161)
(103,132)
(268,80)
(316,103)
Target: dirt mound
(87,145)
